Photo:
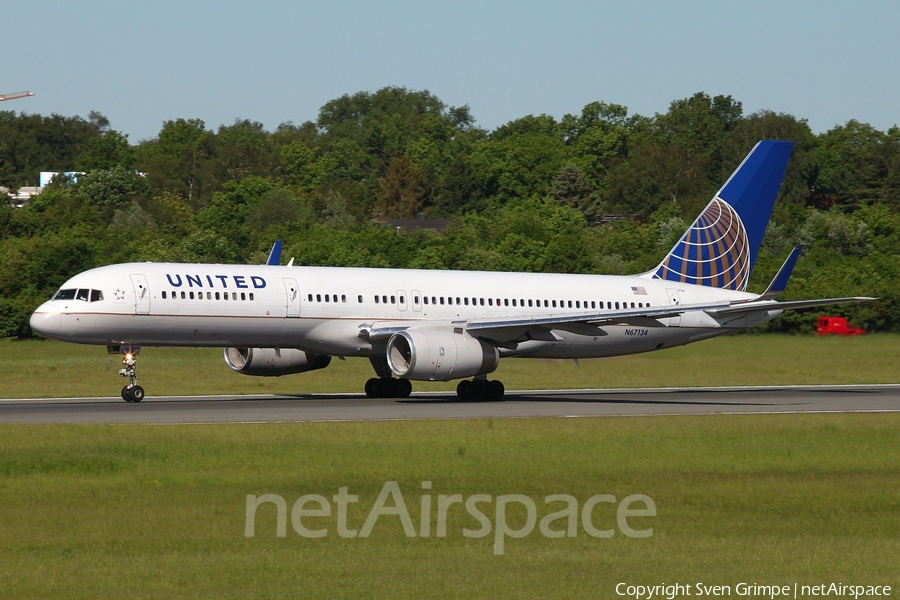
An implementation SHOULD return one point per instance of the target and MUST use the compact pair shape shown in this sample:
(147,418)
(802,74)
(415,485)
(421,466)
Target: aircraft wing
(505,329)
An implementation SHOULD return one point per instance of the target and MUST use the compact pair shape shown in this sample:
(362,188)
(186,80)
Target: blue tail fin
(721,246)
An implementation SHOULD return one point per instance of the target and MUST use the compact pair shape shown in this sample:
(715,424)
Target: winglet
(778,285)
(275,255)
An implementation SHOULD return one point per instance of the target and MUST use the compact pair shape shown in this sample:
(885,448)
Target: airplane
(431,325)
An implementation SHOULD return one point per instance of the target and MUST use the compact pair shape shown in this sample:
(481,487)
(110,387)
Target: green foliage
(528,196)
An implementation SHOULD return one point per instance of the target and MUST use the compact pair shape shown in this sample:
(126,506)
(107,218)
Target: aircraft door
(674,300)
(416,301)
(402,300)
(141,295)
(292,297)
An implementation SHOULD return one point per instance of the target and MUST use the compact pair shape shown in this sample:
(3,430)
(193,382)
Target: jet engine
(273,362)
(439,355)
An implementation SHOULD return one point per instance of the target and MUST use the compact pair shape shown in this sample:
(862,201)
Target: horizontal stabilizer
(764,305)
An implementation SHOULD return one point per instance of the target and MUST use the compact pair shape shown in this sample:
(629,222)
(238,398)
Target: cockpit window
(65,295)
(79,294)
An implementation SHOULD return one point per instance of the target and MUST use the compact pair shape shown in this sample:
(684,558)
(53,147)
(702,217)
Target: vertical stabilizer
(721,246)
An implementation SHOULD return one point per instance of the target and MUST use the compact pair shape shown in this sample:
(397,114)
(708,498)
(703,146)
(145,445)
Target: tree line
(535,194)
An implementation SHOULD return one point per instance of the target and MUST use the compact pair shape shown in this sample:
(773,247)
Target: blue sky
(274,60)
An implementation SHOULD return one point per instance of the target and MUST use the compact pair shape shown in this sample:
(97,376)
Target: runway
(445,405)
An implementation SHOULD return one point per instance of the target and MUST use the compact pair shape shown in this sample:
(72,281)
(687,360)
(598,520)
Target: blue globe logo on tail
(721,246)
(714,252)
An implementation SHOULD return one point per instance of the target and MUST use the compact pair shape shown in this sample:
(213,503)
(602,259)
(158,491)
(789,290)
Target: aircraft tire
(495,389)
(464,389)
(402,388)
(137,393)
(126,394)
(372,388)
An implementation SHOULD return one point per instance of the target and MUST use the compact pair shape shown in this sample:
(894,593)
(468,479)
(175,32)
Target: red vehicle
(836,326)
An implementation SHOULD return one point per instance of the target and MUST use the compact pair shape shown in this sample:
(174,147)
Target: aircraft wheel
(495,389)
(126,394)
(464,389)
(137,393)
(384,387)
(372,388)
(403,388)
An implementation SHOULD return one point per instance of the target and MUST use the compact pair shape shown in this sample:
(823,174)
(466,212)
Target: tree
(402,189)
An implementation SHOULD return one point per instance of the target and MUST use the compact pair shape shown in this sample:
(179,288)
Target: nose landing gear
(131,392)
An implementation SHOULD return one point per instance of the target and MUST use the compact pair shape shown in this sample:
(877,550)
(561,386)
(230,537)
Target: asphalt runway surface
(445,405)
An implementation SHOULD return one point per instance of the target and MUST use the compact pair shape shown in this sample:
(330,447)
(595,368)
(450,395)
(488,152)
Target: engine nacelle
(273,362)
(439,355)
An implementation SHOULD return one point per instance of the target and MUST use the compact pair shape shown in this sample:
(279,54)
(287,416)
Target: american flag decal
(639,290)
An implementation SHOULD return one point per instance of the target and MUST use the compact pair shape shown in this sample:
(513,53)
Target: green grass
(50,369)
(159,511)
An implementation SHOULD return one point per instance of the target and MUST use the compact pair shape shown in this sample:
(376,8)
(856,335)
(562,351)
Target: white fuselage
(325,310)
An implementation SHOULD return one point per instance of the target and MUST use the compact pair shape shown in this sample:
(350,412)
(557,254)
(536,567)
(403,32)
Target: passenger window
(570,304)
(234,295)
(384,299)
(318,297)
(243,296)
(376,299)
(632,305)
(529,303)
(442,299)
(617,306)
(164,295)
(593,305)
(554,304)
(466,300)
(577,304)
(425,299)
(217,295)
(251,296)
(327,298)
(402,299)
(359,299)
(481,301)
(310,297)
(393,300)
(343,298)
(183,295)
(546,304)
(490,301)
(415,299)
(506,302)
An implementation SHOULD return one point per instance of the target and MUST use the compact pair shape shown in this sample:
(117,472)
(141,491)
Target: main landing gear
(388,387)
(131,392)
(480,389)
(385,386)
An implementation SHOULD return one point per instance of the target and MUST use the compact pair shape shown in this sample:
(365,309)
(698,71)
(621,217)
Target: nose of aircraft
(46,321)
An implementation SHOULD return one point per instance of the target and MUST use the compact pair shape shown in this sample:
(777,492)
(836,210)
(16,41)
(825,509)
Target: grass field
(159,511)
(49,369)
(143,511)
